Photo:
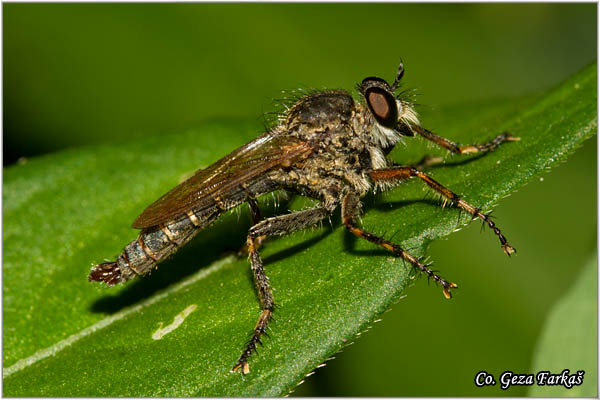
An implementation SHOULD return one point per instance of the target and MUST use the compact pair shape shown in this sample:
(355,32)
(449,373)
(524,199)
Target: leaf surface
(64,212)
(569,338)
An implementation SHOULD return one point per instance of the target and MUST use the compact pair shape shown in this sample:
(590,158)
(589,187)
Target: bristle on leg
(108,273)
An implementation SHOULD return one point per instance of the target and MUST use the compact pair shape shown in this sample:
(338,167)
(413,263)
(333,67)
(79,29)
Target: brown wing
(242,165)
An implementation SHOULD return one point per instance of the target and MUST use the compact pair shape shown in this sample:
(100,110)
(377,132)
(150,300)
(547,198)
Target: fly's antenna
(399,76)
(109,272)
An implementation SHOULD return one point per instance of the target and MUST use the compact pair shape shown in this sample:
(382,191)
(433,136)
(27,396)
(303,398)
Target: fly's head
(391,116)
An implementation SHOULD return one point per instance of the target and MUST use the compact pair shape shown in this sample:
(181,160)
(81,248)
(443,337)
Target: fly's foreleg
(280,225)
(455,148)
(466,149)
(351,212)
(398,174)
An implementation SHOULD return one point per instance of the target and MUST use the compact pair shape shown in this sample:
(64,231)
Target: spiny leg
(398,174)
(256,217)
(280,225)
(350,213)
(466,149)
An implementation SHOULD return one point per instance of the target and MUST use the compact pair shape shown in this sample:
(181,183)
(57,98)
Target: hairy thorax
(346,146)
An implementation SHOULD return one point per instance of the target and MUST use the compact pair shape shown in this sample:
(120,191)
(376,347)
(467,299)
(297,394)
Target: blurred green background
(79,74)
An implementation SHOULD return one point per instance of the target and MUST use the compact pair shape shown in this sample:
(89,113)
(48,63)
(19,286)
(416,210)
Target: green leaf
(573,320)
(62,213)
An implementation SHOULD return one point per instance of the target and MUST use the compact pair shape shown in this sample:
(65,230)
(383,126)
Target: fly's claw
(241,366)
(446,290)
(508,249)
(447,293)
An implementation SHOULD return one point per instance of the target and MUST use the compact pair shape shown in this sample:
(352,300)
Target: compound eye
(383,106)
(379,105)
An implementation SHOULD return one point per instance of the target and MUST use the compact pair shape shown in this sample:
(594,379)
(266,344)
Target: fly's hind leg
(256,217)
(398,174)
(280,225)
(350,213)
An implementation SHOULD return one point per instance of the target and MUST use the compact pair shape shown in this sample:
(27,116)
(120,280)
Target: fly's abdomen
(153,245)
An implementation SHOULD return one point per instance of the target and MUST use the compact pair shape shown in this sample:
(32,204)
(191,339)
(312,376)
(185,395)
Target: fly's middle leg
(350,213)
(398,174)
(280,225)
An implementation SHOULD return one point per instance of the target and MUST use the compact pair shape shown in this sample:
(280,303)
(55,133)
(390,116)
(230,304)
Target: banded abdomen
(155,243)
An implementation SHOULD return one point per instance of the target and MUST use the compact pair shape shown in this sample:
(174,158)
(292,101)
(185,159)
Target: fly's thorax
(320,112)
(341,160)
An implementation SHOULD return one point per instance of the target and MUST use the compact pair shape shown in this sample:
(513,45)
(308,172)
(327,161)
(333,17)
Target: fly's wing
(241,166)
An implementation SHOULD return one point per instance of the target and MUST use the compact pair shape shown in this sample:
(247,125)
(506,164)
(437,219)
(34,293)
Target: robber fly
(326,146)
